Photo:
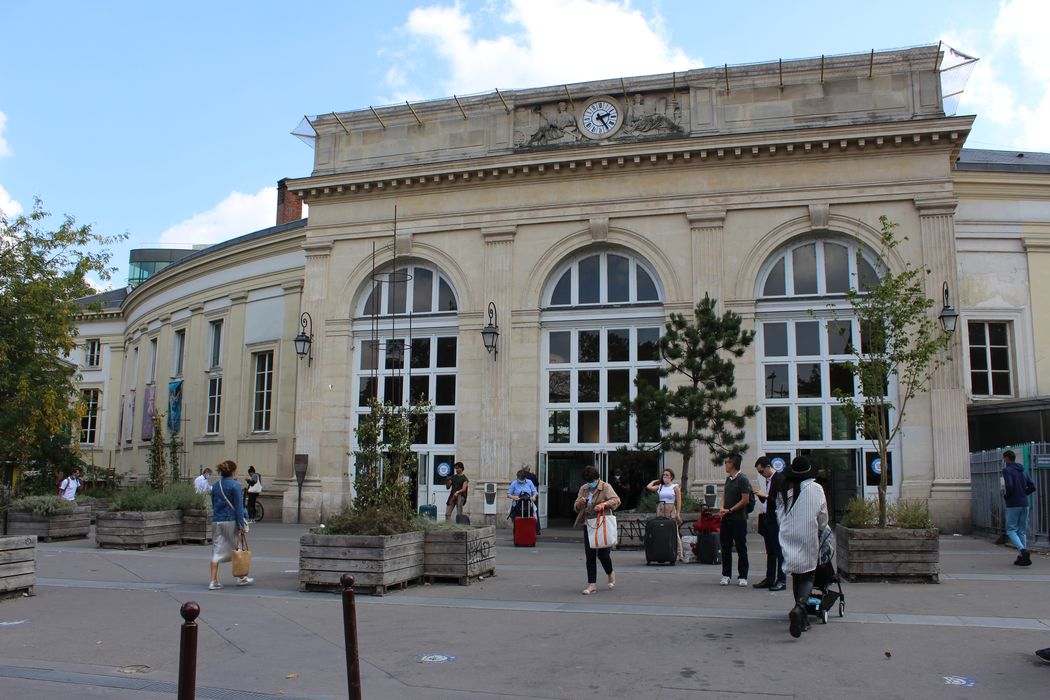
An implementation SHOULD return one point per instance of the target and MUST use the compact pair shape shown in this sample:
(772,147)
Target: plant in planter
(901,348)
(907,549)
(376,538)
(48,517)
(140,517)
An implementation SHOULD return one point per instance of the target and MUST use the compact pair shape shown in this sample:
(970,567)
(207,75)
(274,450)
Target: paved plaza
(105,624)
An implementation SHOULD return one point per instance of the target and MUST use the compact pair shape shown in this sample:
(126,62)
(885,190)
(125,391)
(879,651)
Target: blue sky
(171,121)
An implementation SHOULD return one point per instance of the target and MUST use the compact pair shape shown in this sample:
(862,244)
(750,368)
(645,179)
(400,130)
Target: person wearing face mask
(670,501)
(523,494)
(595,497)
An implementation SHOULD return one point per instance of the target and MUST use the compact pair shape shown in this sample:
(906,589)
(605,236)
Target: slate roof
(1003,161)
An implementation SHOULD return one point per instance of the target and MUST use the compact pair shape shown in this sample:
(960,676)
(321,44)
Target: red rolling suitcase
(525,527)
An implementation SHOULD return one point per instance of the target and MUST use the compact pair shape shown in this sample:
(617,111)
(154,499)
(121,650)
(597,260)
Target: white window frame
(215,343)
(89,421)
(152,361)
(178,353)
(262,391)
(1010,357)
(214,407)
(573,265)
(93,353)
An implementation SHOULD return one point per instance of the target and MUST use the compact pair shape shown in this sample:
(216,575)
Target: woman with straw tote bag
(229,528)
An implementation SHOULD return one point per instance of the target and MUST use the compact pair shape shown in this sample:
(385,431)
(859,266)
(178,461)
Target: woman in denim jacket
(227,500)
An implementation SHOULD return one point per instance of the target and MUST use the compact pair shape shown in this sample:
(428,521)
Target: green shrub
(913,515)
(861,513)
(371,521)
(647,504)
(146,500)
(43,506)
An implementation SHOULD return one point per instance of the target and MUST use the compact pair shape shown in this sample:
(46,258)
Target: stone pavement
(105,624)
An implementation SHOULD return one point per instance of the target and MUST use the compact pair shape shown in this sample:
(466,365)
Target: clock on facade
(601,117)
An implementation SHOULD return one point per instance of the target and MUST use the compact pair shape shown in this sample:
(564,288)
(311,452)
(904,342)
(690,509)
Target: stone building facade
(575,219)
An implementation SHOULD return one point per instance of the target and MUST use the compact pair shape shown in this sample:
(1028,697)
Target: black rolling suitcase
(708,548)
(661,541)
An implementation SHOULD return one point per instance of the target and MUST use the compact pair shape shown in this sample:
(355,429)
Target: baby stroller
(824,598)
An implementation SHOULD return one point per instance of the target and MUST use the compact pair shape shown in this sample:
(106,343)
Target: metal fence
(986,501)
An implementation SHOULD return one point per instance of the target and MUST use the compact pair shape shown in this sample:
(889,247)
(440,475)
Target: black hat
(800,469)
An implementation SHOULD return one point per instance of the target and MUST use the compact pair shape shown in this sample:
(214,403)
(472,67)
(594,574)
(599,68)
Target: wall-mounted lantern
(304,341)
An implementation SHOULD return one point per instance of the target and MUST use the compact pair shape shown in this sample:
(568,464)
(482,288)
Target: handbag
(601,531)
(242,557)
(256,487)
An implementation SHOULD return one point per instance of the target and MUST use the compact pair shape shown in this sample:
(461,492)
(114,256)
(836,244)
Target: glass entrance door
(564,477)
(541,472)
(433,474)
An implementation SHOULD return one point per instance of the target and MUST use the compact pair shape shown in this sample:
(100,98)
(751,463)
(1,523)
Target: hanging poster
(174,406)
(148,409)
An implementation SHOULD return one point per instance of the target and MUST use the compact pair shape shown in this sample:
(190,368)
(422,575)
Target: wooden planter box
(460,554)
(48,527)
(128,530)
(17,565)
(877,554)
(375,561)
(196,526)
(630,528)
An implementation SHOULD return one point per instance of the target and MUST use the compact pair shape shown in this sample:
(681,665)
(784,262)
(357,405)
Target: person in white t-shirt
(68,488)
(201,484)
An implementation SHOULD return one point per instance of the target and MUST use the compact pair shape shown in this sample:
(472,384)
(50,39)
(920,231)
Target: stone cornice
(507,165)
(936,205)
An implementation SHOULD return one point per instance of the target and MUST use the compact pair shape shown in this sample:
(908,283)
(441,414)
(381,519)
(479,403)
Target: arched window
(596,345)
(817,268)
(408,349)
(409,288)
(608,277)
(806,335)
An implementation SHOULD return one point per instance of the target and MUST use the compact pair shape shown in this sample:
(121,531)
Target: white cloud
(1017,107)
(9,207)
(546,42)
(5,147)
(236,215)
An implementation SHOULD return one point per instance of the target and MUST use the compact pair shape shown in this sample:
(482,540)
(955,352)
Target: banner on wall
(174,406)
(148,409)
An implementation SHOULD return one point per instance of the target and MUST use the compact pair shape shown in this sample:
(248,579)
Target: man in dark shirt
(775,579)
(457,497)
(734,521)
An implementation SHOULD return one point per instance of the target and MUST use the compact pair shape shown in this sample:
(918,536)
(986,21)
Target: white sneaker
(245,581)
(742,582)
(724,581)
(214,586)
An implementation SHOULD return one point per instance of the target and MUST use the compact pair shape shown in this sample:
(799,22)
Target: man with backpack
(1016,487)
(737,501)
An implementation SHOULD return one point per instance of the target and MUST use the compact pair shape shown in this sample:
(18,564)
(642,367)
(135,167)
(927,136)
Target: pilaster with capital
(707,227)
(494,442)
(948,426)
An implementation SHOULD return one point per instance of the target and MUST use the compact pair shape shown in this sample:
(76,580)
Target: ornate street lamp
(949,317)
(304,341)
(490,333)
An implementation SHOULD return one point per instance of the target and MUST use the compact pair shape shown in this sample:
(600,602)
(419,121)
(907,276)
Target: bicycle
(259,510)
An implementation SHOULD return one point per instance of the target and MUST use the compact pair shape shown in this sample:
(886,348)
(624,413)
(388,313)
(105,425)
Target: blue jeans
(1017,526)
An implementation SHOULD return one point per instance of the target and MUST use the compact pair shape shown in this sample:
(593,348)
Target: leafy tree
(385,461)
(157,458)
(175,457)
(899,340)
(701,353)
(42,274)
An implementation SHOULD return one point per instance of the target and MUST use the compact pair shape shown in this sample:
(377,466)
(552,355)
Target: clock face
(601,118)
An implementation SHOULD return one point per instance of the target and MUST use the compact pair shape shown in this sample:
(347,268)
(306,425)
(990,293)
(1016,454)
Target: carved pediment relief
(641,116)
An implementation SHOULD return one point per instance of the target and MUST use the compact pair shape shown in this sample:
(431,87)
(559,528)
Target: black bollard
(188,652)
(353,661)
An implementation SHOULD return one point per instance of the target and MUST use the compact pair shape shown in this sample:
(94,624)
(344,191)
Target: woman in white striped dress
(802,512)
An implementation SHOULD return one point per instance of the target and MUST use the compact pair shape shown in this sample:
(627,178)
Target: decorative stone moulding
(715,149)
